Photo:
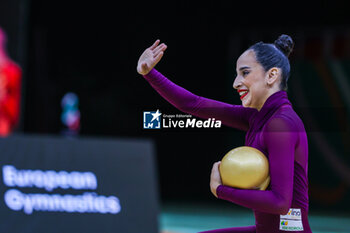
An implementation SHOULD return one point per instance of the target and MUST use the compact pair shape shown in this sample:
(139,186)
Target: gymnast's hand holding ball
(215,179)
(150,57)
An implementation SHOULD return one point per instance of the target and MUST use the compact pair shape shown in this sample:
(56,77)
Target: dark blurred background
(92,48)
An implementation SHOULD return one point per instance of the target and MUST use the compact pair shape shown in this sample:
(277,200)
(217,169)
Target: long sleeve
(235,116)
(280,140)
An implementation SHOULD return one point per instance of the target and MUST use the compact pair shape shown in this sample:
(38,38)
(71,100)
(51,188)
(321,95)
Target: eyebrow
(243,68)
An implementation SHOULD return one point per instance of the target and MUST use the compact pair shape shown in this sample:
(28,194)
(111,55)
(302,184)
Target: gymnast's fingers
(155,54)
(159,48)
(155,44)
(158,57)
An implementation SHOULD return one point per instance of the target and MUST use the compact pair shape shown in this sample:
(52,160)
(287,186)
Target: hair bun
(285,44)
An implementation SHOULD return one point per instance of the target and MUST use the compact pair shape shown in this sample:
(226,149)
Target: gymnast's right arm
(235,116)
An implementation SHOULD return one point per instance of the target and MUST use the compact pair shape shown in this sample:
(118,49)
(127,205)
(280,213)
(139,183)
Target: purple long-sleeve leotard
(278,132)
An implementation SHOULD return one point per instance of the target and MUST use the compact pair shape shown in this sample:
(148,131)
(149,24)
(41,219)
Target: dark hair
(275,55)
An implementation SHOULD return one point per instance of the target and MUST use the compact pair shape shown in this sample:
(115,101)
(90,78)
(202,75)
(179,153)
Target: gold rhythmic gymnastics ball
(245,167)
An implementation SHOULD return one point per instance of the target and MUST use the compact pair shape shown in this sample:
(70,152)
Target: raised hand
(150,57)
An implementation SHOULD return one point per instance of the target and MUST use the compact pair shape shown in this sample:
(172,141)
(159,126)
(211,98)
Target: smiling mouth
(243,93)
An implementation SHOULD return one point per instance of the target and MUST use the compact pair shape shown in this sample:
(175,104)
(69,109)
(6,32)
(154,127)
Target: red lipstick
(243,90)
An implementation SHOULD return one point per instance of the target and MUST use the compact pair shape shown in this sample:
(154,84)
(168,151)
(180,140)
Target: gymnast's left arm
(280,139)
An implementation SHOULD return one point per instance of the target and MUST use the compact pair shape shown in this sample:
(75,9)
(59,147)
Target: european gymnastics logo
(87,202)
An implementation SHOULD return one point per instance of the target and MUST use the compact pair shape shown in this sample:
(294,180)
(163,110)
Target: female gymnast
(272,127)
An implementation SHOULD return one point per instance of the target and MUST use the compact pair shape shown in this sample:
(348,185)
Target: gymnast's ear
(272,76)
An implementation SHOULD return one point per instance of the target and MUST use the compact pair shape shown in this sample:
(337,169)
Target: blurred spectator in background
(70,116)
(10,89)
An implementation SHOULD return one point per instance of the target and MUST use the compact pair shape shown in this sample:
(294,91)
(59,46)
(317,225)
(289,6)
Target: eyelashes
(245,73)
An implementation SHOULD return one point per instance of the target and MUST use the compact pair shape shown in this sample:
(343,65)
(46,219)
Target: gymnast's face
(250,81)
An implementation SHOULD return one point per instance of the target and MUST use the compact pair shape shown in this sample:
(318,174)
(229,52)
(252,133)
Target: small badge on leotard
(291,221)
